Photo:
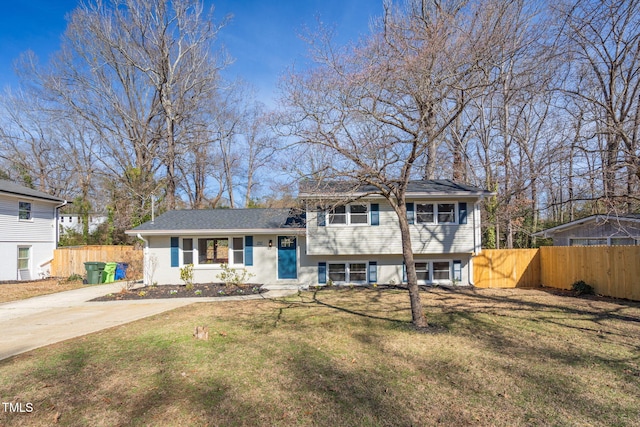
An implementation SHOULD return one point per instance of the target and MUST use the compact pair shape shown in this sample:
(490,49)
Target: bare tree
(603,39)
(379,109)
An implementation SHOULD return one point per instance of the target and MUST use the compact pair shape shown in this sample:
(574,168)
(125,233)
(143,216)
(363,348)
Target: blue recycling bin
(121,271)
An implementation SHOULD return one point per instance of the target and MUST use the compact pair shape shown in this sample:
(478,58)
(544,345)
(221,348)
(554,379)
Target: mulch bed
(199,290)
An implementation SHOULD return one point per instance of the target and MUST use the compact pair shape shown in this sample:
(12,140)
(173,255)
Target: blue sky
(262,36)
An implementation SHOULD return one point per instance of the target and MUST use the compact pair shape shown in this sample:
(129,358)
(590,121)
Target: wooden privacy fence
(611,270)
(69,261)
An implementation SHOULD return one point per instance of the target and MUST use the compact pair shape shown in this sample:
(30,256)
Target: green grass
(346,357)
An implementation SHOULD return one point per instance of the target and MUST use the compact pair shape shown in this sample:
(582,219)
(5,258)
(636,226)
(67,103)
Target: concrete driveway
(40,321)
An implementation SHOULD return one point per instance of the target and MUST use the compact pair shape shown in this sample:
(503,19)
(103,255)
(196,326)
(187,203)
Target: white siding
(385,238)
(39,234)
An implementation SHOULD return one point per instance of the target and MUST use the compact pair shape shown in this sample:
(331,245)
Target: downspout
(64,203)
(144,258)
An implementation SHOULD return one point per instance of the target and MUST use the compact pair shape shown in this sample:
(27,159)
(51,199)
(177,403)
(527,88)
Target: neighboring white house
(73,222)
(596,230)
(343,237)
(28,232)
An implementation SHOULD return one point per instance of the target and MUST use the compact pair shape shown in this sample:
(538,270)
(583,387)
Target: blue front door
(287,258)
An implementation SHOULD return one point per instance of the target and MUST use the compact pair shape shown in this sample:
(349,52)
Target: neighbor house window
(358,272)
(187,251)
(623,241)
(24,210)
(238,250)
(358,214)
(213,251)
(437,271)
(23,258)
(589,242)
(436,213)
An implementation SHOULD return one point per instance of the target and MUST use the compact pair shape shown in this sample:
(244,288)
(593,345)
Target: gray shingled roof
(432,186)
(20,190)
(222,219)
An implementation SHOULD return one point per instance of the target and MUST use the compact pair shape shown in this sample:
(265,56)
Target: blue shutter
(410,213)
(373,272)
(322,218)
(462,213)
(175,252)
(322,273)
(375,214)
(404,272)
(248,250)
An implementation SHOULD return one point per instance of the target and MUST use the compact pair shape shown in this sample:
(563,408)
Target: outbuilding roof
(10,187)
(598,219)
(203,220)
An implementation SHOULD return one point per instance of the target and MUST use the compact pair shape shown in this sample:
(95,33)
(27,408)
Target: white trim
(208,232)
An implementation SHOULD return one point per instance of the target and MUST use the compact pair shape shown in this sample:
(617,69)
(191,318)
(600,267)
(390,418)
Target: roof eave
(215,231)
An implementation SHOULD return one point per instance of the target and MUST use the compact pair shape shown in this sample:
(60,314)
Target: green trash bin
(94,272)
(109,273)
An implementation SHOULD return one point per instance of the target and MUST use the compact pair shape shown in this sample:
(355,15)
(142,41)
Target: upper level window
(338,215)
(24,210)
(349,214)
(436,213)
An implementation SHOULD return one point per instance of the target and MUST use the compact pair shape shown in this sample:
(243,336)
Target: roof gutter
(144,258)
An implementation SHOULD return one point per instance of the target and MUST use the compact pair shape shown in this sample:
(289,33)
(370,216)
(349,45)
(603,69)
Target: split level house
(343,235)
(28,231)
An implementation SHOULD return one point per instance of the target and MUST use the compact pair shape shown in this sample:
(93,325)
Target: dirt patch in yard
(200,290)
(14,291)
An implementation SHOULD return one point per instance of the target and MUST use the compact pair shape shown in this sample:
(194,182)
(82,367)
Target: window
(437,271)
(358,272)
(238,250)
(213,251)
(355,272)
(358,214)
(589,242)
(422,270)
(441,270)
(23,258)
(62,219)
(623,241)
(349,215)
(338,215)
(436,213)
(24,211)
(187,251)
(446,213)
(425,213)
(338,272)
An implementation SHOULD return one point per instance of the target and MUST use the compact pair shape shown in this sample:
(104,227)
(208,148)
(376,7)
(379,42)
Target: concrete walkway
(36,322)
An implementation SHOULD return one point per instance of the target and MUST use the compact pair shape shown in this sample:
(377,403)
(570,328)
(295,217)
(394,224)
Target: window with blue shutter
(462,213)
(373,272)
(410,213)
(248,250)
(175,251)
(322,273)
(375,214)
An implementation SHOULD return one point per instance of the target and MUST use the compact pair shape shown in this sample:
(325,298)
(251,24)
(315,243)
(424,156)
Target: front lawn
(13,291)
(345,357)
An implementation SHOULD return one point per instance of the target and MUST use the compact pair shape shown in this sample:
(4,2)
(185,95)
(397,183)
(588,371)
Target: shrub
(582,288)
(231,276)
(186,275)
